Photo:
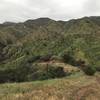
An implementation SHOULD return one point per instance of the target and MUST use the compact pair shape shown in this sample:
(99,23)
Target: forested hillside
(76,42)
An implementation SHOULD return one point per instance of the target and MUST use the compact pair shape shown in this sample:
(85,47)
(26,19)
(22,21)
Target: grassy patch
(55,88)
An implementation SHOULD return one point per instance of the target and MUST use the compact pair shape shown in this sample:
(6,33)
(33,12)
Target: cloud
(92,7)
(20,10)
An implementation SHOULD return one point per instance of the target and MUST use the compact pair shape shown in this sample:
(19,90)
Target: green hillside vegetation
(75,42)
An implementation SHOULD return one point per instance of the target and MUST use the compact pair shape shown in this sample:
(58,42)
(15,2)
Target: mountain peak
(39,21)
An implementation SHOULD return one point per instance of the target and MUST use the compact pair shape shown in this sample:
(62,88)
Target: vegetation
(76,42)
(90,70)
(74,87)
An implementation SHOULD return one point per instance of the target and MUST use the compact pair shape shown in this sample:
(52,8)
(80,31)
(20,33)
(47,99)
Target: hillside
(43,39)
(76,87)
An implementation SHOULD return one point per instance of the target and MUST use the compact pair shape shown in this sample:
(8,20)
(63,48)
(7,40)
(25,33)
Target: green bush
(98,69)
(56,72)
(67,58)
(89,70)
(48,73)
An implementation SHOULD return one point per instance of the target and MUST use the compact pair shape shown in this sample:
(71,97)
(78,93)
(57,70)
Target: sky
(21,10)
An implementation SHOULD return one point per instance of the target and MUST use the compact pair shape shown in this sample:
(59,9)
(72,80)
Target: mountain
(23,44)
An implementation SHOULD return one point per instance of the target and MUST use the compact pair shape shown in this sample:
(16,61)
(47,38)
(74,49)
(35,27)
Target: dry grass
(67,67)
(75,87)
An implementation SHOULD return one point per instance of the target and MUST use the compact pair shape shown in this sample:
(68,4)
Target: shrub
(98,69)
(56,72)
(60,72)
(48,73)
(67,58)
(90,70)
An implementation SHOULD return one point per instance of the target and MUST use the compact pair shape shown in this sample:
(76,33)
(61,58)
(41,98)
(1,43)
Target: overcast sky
(21,10)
